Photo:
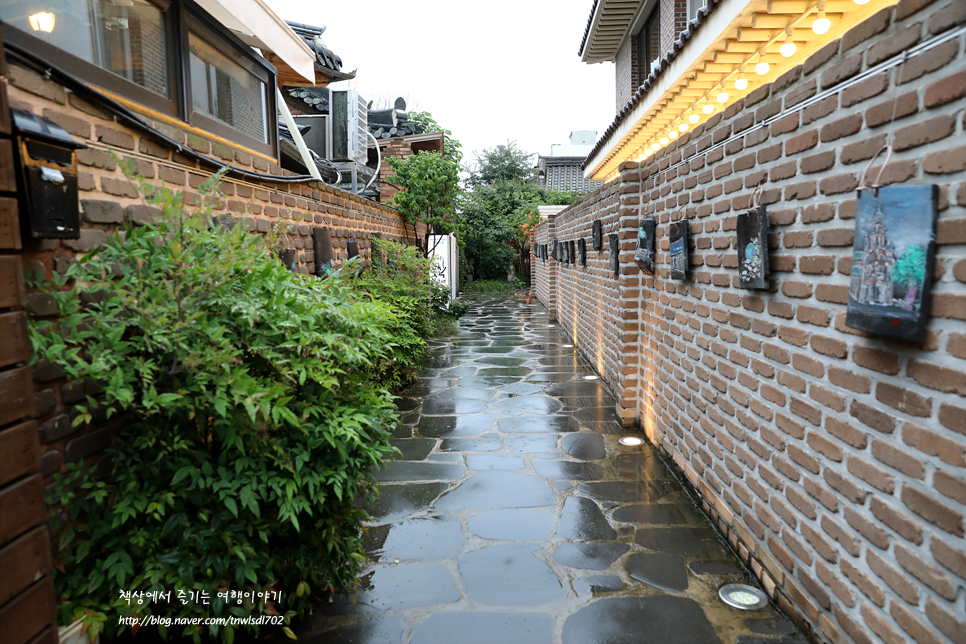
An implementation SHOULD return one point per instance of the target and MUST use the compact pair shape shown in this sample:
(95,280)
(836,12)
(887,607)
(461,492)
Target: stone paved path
(513,515)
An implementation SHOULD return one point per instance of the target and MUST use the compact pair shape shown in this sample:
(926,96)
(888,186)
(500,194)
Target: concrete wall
(834,461)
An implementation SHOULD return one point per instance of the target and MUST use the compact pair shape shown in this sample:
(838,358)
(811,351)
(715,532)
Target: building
(872,281)
(561,170)
(814,447)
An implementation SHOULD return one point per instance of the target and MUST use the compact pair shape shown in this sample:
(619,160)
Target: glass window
(225,90)
(126,37)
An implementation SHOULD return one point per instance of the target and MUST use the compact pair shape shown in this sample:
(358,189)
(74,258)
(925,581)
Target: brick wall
(107,200)
(396,148)
(674,19)
(27,602)
(833,461)
(626,72)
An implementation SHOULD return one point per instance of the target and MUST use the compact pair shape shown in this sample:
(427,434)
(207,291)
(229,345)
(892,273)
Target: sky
(488,71)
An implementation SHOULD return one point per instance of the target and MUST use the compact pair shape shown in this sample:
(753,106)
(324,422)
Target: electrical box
(46,177)
(319,137)
(349,126)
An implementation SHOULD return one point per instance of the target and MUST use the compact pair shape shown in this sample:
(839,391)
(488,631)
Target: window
(649,43)
(205,77)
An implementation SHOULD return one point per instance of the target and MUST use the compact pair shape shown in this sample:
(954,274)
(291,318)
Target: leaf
(231,505)
(289,633)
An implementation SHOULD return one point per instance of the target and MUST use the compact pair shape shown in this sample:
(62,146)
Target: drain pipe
(297,136)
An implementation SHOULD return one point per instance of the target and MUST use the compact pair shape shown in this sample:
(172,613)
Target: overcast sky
(489,71)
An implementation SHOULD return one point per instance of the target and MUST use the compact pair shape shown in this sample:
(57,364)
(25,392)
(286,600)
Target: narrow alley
(514,515)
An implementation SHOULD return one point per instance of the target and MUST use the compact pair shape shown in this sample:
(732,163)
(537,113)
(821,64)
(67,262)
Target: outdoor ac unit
(349,117)
(319,137)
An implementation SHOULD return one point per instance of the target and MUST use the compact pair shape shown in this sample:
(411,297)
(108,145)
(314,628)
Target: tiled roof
(656,72)
(590,22)
(326,60)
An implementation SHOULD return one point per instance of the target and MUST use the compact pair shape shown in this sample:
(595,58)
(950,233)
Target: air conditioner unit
(349,117)
(319,137)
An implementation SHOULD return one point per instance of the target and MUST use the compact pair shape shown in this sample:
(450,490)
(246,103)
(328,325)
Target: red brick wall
(626,72)
(396,148)
(27,602)
(833,461)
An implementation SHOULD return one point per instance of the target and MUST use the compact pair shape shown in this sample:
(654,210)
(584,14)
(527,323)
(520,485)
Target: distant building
(561,169)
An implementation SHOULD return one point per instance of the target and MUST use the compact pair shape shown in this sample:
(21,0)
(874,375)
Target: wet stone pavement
(513,515)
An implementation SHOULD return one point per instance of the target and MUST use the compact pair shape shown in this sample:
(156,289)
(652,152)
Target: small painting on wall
(582,251)
(892,261)
(614,244)
(752,233)
(644,254)
(598,235)
(572,250)
(679,250)
(564,252)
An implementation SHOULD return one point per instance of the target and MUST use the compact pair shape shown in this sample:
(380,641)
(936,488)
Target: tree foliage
(500,209)
(424,122)
(429,185)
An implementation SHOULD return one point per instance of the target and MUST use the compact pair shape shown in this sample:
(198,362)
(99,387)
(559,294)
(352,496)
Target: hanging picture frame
(614,244)
(352,247)
(573,251)
(598,235)
(893,257)
(752,234)
(564,258)
(555,250)
(678,236)
(644,254)
(582,251)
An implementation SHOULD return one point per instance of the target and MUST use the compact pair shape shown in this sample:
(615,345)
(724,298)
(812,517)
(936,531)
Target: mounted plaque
(352,247)
(644,255)
(753,248)
(598,235)
(679,250)
(892,261)
(555,250)
(582,251)
(615,263)
(572,250)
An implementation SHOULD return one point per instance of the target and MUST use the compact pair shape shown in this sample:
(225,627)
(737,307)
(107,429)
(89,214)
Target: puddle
(512,525)
(589,556)
(509,575)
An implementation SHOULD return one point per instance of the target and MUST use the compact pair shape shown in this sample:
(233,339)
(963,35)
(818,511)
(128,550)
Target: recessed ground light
(567,346)
(743,596)
(631,441)
(590,377)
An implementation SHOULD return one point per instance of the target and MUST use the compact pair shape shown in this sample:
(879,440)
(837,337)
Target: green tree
(500,210)
(430,187)
(424,122)
(910,267)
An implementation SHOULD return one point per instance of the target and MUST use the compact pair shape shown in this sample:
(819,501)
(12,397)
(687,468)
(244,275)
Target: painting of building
(892,260)
(644,255)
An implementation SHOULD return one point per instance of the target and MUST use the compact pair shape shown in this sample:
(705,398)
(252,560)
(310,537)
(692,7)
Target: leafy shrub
(495,286)
(250,430)
(422,308)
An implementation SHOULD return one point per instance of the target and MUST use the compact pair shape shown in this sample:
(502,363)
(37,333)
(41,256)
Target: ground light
(590,377)
(630,441)
(742,596)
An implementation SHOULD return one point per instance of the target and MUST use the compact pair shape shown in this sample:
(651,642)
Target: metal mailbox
(46,177)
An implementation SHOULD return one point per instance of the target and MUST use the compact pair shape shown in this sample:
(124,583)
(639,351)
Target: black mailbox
(46,177)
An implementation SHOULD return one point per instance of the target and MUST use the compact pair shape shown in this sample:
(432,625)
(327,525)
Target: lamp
(722,97)
(664,140)
(708,108)
(788,47)
(672,135)
(741,83)
(762,67)
(43,21)
(683,127)
(821,24)
(694,118)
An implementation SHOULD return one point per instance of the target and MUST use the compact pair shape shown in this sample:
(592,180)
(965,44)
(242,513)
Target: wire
(127,117)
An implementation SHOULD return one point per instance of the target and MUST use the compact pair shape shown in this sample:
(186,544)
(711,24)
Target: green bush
(249,429)
(496,286)
(422,307)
